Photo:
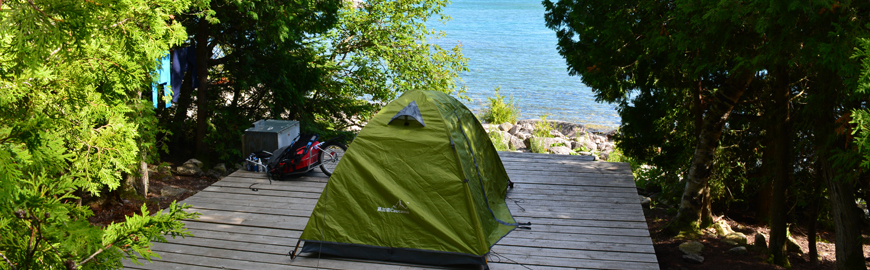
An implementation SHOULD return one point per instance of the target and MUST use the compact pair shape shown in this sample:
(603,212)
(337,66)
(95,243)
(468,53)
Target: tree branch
(94,255)
(1,254)
(43,12)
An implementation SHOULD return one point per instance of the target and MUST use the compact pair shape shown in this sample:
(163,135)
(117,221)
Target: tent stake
(293,254)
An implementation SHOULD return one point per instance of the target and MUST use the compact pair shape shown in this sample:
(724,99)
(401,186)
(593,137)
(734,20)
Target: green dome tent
(421,183)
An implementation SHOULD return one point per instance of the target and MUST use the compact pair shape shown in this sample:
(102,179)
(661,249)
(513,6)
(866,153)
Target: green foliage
(861,117)
(339,63)
(498,111)
(499,141)
(543,128)
(537,145)
(71,119)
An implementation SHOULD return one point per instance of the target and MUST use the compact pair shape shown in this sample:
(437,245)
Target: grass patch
(499,141)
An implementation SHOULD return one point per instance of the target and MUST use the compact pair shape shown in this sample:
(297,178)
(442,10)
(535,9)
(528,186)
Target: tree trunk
(844,212)
(779,130)
(850,254)
(690,218)
(143,171)
(202,56)
(813,217)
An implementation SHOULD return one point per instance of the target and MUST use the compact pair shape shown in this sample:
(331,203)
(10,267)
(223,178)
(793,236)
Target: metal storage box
(269,135)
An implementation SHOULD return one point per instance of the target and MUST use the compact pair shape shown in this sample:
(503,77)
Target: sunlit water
(508,45)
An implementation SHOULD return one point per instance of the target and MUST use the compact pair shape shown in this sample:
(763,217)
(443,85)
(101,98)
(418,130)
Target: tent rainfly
(421,183)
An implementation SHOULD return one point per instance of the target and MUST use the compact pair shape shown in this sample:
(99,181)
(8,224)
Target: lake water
(508,45)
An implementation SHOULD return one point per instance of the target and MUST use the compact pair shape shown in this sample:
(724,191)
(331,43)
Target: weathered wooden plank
(159,264)
(575,253)
(581,245)
(237,255)
(503,155)
(263,192)
(582,263)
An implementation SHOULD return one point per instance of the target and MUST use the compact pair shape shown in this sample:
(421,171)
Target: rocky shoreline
(564,138)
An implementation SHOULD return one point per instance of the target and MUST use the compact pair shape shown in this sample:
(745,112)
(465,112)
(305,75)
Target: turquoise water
(508,45)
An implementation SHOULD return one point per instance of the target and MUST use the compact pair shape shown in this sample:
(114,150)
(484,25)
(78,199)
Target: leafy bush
(500,112)
(543,128)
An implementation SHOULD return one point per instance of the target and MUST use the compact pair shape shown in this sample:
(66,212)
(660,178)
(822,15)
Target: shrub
(500,112)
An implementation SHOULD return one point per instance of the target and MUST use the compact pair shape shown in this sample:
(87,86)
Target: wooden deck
(584,215)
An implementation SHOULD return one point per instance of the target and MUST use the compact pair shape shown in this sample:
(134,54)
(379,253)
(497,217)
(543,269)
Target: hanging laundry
(163,79)
(183,60)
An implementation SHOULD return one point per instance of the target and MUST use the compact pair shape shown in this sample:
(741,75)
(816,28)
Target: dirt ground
(715,251)
(115,209)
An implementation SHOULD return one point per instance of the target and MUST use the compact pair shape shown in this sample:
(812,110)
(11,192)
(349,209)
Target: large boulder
(738,250)
(760,242)
(188,169)
(505,126)
(170,191)
(556,134)
(590,146)
(735,238)
(792,246)
(214,174)
(560,150)
(693,258)
(722,228)
(515,129)
(691,247)
(577,145)
(195,162)
(523,135)
(517,143)
(221,168)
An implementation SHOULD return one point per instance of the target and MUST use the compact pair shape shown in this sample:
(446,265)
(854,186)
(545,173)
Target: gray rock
(691,247)
(760,242)
(523,135)
(738,250)
(214,174)
(591,146)
(170,191)
(165,169)
(735,238)
(517,143)
(528,142)
(604,155)
(693,258)
(560,150)
(195,162)
(722,228)
(556,134)
(595,157)
(505,126)
(577,145)
(514,130)
(188,169)
(792,246)
(584,153)
(645,201)
(221,168)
